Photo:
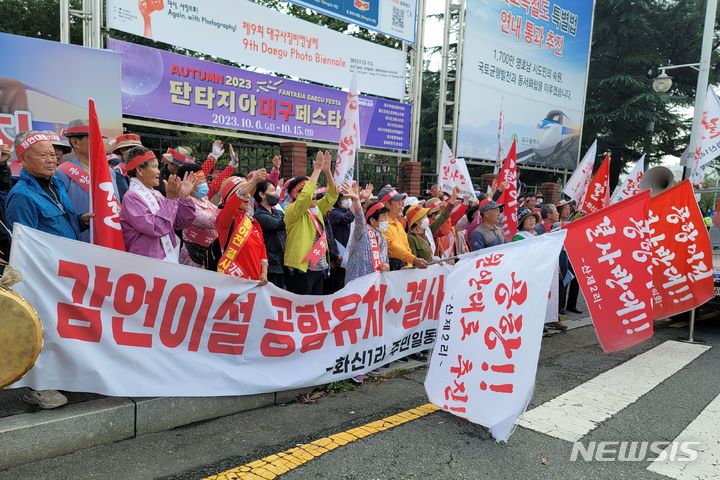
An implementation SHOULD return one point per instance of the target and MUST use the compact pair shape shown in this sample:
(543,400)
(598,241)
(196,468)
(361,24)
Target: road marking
(576,412)
(704,430)
(272,466)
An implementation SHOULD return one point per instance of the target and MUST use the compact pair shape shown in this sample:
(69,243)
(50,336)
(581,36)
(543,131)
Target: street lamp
(663,82)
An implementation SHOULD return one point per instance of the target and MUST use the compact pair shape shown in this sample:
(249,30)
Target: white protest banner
(454,173)
(491,325)
(124,325)
(349,137)
(631,185)
(708,146)
(576,187)
(250,34)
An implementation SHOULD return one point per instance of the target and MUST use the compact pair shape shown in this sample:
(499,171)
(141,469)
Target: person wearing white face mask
(339,219)
(369,252)
(198,237)
(418,222)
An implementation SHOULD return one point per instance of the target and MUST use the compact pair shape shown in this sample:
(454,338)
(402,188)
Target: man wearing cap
(398,245)
(488,233)
(75,173)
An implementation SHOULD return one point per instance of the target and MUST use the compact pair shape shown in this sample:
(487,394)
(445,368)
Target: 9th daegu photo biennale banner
(250,34)
(528,61)
(396,18)
(168,86)
(34,97)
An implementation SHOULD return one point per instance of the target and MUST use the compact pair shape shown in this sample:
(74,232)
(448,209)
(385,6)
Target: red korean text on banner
(349,137)
(483,367)
(199,333)
(612,257)
(597,196)
(508,173)
(106,222)
(682,256)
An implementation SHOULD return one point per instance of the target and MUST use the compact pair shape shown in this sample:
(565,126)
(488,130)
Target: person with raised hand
(148,219)
(242,243)
(306,252)
(369,252)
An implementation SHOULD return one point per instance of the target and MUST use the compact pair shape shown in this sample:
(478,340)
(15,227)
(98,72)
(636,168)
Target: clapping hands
(176,188)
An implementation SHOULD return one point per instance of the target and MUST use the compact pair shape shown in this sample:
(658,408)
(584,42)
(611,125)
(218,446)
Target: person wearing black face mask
(272,222)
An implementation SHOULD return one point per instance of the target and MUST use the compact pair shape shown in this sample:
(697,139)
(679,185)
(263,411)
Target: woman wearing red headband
(148,219)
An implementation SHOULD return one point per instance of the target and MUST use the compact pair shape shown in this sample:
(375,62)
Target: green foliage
(630,41)
(38,18)
(340,387)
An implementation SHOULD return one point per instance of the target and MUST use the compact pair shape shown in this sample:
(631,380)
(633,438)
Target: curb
(31,437)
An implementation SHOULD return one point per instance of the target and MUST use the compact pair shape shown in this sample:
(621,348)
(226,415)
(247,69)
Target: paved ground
(435,446)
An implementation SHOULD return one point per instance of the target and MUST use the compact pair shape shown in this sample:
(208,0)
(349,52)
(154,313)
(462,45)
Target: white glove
(217,149)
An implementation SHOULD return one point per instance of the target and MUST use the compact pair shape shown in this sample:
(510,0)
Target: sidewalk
(30,434)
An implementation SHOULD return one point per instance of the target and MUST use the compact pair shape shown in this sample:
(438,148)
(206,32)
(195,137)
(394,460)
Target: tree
(631,39)
(38,18)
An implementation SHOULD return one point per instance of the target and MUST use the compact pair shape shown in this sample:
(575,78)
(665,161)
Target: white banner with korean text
(250,34)
(491,325)
(454,173)
(123,325)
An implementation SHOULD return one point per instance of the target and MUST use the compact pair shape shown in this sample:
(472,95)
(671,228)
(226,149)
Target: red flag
(597,196)
(106,223)
(682,256)
(508,173)
(611,254)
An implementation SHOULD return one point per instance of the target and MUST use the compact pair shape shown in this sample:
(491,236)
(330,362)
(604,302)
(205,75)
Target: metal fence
(376,169)
(250,156)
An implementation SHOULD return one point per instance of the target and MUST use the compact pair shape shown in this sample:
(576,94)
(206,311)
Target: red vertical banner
(106,222)
(682,256)
(612,257)
(509,198)
(597,196)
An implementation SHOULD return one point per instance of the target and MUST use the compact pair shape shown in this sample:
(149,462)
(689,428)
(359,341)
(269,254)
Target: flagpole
(700,94)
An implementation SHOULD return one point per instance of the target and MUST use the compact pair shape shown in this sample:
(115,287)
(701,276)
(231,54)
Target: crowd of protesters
(304,234)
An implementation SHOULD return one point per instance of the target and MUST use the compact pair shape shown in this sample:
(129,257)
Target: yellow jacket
(398,245)
(300,227)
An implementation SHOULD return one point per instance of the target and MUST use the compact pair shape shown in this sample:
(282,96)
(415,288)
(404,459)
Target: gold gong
(21,337)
